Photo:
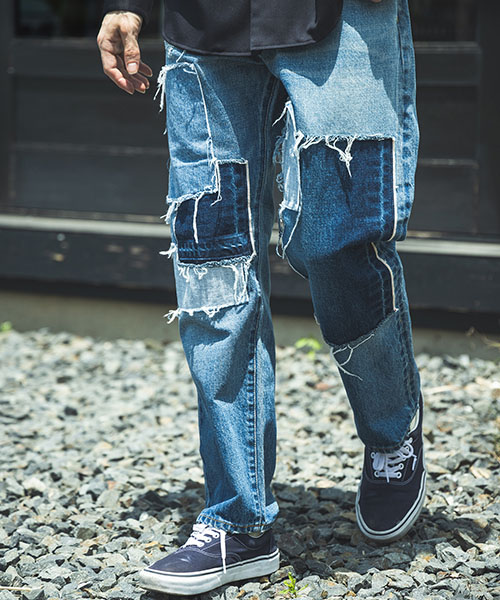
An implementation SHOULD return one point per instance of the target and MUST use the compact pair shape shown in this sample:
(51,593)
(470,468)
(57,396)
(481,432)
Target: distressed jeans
(338,118)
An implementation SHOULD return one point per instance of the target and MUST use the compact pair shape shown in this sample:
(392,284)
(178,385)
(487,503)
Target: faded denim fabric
(339,119)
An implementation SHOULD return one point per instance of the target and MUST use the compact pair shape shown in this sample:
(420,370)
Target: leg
(219,120)
(348,158)
(219,116)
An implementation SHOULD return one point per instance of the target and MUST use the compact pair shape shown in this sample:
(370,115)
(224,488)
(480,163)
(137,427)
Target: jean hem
(231,527)
(389,449)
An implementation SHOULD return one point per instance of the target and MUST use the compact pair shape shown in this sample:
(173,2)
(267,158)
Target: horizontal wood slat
(82,112)
(446,197)
(437,63)
(89,182)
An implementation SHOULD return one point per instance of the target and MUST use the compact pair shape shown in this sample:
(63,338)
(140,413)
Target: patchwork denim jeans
(338,119)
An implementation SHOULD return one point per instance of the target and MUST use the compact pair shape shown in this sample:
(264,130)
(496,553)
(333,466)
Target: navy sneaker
(392,489)
(211,558)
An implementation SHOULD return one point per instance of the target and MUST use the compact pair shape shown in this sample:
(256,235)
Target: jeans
(339,119)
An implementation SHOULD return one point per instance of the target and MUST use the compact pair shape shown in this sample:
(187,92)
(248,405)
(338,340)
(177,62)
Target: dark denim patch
(223,227)
(341,210)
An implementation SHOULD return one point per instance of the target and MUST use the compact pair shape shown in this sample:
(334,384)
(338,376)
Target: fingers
(134,83)
(114,70)
(145,69)
(141,81)
(131,52)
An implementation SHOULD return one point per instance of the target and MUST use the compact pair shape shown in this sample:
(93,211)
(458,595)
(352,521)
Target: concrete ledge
(111,319)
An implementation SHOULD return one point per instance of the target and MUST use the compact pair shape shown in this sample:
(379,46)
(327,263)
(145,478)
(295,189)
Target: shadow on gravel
(316,529)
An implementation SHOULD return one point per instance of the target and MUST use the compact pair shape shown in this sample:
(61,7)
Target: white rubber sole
(204,581)
(400,529)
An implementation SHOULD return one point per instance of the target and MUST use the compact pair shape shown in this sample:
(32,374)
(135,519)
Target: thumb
(131,52)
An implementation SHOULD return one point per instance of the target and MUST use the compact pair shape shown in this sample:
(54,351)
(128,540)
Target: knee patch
(212,243)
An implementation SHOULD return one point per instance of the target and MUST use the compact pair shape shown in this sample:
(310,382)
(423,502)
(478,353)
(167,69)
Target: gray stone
(124,591)
(11,556)
(281,574)
(34,595)
(378,581)
(334,589)
(398,579)
(355,582)
(34,485)
(54,572)
(85,532)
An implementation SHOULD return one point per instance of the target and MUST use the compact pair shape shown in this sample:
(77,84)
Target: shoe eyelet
(399,475)
(372,454)
(401,466)
(376,473)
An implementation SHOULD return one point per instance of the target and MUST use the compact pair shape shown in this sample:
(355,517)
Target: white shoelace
(202,534)
(390,465)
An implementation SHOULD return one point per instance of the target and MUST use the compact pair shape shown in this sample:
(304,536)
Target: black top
(239,27)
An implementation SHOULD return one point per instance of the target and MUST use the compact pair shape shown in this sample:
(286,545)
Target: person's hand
(120,54)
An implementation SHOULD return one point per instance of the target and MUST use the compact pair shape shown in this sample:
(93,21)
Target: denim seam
(260,494)
(257,491)
(404,335)
(391,274)
(394,191)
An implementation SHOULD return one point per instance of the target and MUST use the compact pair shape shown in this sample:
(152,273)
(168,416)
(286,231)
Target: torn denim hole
(352,352)
(210,288)
(286,155)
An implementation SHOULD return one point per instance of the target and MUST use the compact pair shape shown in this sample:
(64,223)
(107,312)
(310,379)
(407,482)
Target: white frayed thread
(175,314)
(213,162)
(168,253)
(172,315)
(162,78)
(186,271)
(344,155)
(195,214)
(172,206)
(200,272)
(391,274)
(240,281)
(278,149)
(280,181)
(160,89)
(302,142)
(283,113)
(351,351)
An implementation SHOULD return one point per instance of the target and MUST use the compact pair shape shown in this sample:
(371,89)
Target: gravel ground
(100,475)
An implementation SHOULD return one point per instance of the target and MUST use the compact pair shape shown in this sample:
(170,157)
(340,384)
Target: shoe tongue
(378,461)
